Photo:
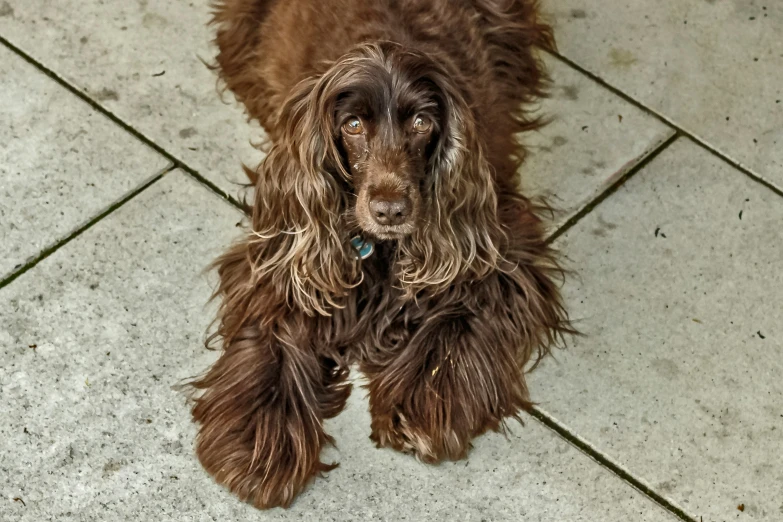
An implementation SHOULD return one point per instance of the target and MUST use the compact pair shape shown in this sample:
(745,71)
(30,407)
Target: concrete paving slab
(61,162)
(94,337)
(713,67)
(680,293)
(142,60)
(594,138)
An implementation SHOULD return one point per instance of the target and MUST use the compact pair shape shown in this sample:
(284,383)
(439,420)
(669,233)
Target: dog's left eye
(353,126)
(422,124)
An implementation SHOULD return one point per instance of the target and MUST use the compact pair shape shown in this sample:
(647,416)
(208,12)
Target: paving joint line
(608,463)
(178,163)
(641,164)
(668,122)
(51,249)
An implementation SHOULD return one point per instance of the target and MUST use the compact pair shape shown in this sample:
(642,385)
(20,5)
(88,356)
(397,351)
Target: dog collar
(364,247)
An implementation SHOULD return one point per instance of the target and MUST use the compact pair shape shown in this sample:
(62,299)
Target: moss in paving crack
(73,235)
(608,464)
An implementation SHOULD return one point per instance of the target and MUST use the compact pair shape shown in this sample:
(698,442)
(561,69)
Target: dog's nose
(390,211)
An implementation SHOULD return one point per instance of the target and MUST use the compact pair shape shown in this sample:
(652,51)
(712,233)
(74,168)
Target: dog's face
(384,142)
(381,120)
(387,132)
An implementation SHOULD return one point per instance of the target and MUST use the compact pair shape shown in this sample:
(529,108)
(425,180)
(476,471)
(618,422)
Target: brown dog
(387,230)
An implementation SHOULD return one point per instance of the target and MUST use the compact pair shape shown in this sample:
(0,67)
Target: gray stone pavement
(664,156)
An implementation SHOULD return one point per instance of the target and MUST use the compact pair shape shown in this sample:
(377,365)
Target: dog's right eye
(353,126)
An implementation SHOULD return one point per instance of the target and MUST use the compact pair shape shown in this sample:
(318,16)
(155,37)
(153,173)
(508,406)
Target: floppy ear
(297,241)
(463,228)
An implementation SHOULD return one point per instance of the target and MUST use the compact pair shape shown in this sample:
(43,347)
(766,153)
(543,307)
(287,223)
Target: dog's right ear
(298,242)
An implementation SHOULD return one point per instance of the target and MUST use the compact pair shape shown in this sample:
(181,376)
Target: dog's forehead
(391,96)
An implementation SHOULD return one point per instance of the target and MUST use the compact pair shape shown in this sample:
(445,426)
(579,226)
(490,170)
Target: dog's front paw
(428,441)
(454,380)
(261,429)
(267,462)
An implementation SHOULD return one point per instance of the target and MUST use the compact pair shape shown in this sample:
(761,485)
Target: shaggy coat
(394,121)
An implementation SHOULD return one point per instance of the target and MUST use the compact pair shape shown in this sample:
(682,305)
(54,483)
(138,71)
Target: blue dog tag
(364,248)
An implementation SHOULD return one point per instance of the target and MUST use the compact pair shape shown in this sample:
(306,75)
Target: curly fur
(445,318)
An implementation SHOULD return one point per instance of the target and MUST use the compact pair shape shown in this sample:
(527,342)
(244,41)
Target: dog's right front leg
(262,404)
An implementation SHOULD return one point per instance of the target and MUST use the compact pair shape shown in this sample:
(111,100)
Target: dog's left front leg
(461,371)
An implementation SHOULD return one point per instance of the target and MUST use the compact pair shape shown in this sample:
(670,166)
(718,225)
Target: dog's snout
(390,211)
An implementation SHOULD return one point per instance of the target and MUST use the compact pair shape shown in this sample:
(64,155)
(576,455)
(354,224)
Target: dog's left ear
(297,230)
(464,229)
